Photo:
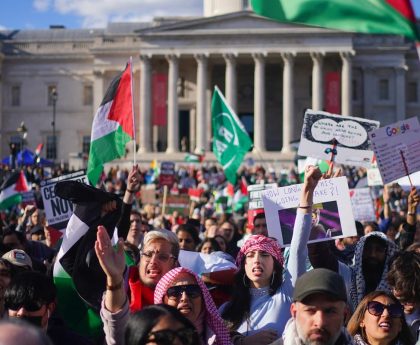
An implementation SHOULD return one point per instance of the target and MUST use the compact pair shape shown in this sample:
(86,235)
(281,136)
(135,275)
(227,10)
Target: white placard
(374,177)
(392,143)
(362,204)
(322,133)
(57,210)
(332,210)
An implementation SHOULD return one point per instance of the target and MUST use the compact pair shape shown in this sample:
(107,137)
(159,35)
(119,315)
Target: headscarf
(262,243)
(213,319)
(357,289)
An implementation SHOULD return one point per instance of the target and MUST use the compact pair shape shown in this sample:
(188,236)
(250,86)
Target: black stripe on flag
(113,87)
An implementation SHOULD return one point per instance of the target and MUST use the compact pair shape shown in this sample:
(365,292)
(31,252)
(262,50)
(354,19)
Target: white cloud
(2,27)
(42,5)
(96,13)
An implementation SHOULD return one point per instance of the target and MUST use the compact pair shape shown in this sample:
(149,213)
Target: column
(288,102)
(145,123)
(173,113)
(201,103)
(346,84)
(400,93)
(259,102)
(230,80)
(98,89)
(317,81)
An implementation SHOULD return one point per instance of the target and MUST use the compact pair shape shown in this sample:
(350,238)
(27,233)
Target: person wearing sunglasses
(160,325)
(184,290)
(379,320)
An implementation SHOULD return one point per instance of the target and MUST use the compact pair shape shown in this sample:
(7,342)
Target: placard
(374,177)
(362,205)
(58,211)
(167,174)
(345,138)
(180,203)
(332,212)
(397,147)
(148,194)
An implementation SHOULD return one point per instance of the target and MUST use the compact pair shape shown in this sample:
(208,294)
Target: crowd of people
(363,289)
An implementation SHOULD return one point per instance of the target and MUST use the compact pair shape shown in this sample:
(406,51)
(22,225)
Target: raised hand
(134,180)
(312,176)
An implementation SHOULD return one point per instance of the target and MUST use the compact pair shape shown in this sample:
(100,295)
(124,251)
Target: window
(15,95)
(86,144)
(383,89)
(52,94)
(51,147)
(87,95)
(412,92)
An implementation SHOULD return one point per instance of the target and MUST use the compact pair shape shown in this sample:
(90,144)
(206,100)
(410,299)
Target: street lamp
(54,97)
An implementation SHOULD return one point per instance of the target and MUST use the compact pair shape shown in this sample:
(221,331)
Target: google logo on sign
(390,131)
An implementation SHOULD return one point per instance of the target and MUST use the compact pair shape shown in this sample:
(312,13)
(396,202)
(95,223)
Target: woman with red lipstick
(184,290)
(379,320)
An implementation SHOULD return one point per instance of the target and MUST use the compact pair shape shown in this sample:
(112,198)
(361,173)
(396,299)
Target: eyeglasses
(192,291)
(377,308)
(162,257)
(30,306)
(187,336)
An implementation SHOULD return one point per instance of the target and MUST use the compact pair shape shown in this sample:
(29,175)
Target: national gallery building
(54,80)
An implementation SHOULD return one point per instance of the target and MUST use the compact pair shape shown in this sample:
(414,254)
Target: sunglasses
(377,308)
(192,291)
(30,306)
(162,257)
(187,336)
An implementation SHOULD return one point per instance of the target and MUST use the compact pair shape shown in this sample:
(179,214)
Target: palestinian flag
(113,125)
(371,17)
(11,189)
(78,276)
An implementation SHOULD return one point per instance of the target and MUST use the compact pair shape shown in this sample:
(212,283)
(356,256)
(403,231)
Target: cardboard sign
(332,213)
(362,205)
(397,148)
(180,203)
(345,138)
(167,174)
(58,211)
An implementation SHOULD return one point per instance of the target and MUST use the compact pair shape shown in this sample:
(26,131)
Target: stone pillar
(400,93)
(145,123)
(173,112)
(231,81)
(259,102)
(317,81)
(288,102)
(346,84)
(200,127)
(98,89)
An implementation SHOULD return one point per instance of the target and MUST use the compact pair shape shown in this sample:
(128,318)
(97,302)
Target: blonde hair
(165,235)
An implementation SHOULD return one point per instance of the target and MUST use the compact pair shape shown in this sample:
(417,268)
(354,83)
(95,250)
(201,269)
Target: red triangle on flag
(21,183)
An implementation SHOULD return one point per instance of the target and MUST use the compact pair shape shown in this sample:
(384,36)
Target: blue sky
(39,14)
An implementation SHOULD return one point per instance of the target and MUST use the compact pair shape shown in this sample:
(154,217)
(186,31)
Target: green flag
(365,16)
(230,140)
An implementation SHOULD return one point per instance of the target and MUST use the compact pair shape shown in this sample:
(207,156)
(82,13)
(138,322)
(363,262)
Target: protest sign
(148,194)
(362,205)
(343,138)
(397,148)
(331,211)
(255,205)
(28,198)
(374,177)
(58,211)
(178,203)
(167,174)
(405,183)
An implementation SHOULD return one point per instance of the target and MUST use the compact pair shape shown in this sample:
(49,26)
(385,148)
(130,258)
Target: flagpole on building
(132,110)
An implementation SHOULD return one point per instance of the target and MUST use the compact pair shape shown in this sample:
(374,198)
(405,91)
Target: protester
(136,230)
(379,320)
(188,237)
(16,332)
(5,278)
(259,308)
(160,324)
(208,246)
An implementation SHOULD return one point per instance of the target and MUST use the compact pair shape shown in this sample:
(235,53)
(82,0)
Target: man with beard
(318,311)
(159,254)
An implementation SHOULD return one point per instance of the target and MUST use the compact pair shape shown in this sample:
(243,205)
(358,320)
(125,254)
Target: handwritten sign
(344,138)
(395,143)
(362,205)
(374,177)
(332,213)
(167,174)
(58,211)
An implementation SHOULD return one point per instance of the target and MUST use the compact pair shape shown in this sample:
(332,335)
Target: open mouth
(257,271)
(153,273)
(385,326)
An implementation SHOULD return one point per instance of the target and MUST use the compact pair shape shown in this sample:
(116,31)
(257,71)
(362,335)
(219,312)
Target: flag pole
(406,168)
(132,111)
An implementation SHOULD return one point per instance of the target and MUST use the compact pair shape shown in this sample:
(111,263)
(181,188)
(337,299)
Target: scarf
(211,317)
(358,340)
(262,243)
(141,295)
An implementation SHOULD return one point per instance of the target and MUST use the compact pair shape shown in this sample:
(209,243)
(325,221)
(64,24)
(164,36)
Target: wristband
(115,287)
(305,206)
(411,213)
(132,191)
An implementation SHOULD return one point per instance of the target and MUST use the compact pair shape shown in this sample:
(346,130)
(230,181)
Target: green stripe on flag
(10,201)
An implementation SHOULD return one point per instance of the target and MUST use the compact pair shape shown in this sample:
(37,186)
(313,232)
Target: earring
(272,278)
(243,279)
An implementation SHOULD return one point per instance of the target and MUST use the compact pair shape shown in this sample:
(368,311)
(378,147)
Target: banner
(159,98)
(332,92)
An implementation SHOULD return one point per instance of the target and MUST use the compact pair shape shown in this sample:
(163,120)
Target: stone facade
(270,73)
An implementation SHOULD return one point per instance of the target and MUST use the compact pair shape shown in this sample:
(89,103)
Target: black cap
(320,280)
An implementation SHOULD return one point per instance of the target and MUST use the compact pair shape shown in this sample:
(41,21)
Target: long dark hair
(238,308)
(141,323)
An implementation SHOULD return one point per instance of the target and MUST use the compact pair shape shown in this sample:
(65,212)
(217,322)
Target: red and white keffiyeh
(213,319)
(262,243)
